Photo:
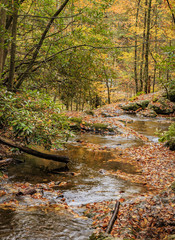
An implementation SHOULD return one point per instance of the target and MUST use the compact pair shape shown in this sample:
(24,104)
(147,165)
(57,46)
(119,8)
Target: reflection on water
(40,225)
(149,127)
(112,141)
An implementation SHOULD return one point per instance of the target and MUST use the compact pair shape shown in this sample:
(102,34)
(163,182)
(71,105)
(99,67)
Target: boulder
(133,106)
(162,106)
(143,103)
(147,113)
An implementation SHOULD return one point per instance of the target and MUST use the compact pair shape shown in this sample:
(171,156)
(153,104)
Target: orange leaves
(122,200)
(2,193)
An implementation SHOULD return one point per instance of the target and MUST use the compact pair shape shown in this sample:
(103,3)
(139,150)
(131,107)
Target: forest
(87,119)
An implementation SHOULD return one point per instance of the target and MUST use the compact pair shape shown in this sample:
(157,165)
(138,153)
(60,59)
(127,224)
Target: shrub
(32,117)
(76,119)
(169,137)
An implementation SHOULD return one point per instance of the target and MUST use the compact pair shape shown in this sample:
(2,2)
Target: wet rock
(147,113)
(105,114)
(28,191)
(102,171)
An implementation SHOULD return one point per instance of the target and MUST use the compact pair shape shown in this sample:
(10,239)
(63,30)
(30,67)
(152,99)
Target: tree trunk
(2,39)
(147,47)
(135,57)
(33,152)
(155,63)
(13,46)
(173,16)
(107,85)
(143,49)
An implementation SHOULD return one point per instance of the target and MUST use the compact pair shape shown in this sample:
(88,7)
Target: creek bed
(86,183)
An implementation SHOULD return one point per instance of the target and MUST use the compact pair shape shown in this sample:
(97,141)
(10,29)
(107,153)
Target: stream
(86,183)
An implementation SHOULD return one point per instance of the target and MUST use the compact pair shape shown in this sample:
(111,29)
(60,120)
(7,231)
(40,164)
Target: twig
(113,218)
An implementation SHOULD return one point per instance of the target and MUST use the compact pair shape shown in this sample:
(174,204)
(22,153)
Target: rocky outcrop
(162,106)
(134,106)
(148,108)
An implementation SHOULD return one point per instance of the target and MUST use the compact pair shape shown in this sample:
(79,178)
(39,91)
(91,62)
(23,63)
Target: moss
(131,107)
(90,112)
(173,186)
(100,126)
(162,106)
(76,120)
(143,103)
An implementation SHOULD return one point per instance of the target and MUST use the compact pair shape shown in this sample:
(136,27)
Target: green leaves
(32,117)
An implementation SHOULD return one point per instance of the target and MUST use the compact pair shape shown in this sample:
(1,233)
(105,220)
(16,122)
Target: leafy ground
(150,215)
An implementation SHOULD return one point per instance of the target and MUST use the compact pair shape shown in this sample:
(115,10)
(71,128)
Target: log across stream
(33,152)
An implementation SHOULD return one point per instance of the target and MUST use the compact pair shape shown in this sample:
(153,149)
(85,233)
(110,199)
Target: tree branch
(35,54)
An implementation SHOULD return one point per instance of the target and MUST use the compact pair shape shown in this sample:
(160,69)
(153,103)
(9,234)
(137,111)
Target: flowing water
(86,180)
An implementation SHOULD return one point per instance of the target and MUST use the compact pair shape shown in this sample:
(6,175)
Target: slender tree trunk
(155,63)
(2,37)
(173,16)
(143,49)
(135,57)
(13,46)
(107,85)
(147,47)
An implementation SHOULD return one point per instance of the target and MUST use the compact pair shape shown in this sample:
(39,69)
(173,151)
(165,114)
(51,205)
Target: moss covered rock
(162,106)
(148,113)
(133,106)
(143,103)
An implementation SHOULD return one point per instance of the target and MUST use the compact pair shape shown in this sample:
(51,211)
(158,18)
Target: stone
(147,113)
(143,103)
(133,106)
(162,106)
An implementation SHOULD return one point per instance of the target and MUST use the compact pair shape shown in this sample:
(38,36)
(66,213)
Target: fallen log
(33,152)
(113,218)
